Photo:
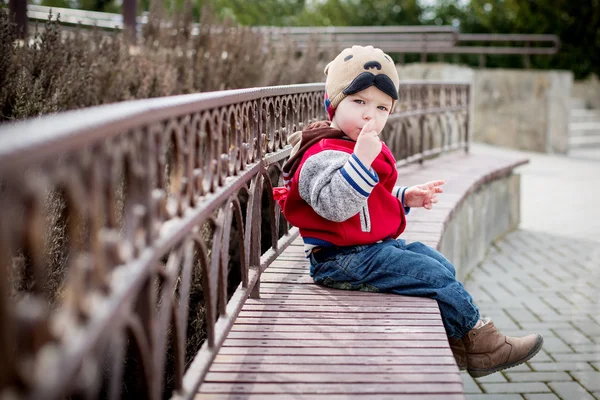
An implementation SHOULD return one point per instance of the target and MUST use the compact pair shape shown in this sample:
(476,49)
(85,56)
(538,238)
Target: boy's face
(355,110)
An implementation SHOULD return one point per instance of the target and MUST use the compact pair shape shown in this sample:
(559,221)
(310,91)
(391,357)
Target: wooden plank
(329,315)
(403,319)
(338,309)
(295,335)
(348,301)
(283,377)
(281,290)
(331,388)
(336,360)
(338,343)
(337,396)
(328,369)
(336,351)
(291,278)
(341,295)
(286,270)
(340,329)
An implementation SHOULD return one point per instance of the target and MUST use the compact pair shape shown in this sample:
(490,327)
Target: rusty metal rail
(126,206)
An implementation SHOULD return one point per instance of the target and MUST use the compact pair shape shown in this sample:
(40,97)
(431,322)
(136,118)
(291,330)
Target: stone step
(584,141)
(584,129)
(584,115)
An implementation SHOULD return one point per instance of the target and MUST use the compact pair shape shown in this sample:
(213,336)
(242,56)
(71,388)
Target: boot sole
(478,373)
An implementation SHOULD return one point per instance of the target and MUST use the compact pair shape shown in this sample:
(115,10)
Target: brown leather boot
(458,350)
(489,351)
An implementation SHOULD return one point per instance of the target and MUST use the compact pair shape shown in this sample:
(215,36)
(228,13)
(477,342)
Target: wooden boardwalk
(302,341)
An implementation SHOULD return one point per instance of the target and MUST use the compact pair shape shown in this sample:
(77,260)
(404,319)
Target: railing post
(482,61)
(129,18)
(526,57)
(468,117)
(422,140)
(18,14)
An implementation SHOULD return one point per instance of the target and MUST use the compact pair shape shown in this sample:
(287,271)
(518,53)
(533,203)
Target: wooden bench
(302,341)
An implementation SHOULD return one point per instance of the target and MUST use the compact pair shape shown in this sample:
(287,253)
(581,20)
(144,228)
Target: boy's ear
(327,68)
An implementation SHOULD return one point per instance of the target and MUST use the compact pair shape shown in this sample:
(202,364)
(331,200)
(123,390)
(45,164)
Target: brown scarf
(311,135)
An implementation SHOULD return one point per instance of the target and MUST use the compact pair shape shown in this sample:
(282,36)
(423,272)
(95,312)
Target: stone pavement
(545,278)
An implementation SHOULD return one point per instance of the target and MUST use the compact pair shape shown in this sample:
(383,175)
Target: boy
(340,192)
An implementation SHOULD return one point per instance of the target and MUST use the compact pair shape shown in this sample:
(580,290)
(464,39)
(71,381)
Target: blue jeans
(393,266)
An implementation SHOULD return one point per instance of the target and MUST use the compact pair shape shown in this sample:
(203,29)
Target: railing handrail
(38,137)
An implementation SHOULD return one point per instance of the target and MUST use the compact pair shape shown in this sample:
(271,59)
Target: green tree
(577,24)
(259,12)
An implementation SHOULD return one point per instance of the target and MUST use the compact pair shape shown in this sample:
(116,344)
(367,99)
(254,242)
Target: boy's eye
(383,108)
(358,101)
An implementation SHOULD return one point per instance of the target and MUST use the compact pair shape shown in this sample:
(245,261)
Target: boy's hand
(368,145)
(424,195)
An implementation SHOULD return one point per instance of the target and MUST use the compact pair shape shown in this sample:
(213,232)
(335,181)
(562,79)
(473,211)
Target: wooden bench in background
(302,341)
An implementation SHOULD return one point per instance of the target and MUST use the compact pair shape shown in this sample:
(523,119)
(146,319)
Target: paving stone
(571,336)
(555,345)
(561,304)
(520,387)
(546,333)
(591,357)
(570,390)
(538,376)
(493,378)
(588,379)
(522,367)
(585,348)
(521,315)
(580,300)
(494,397)
(469,383)
(589,327)
(548,280)
(547,325)
(570,316)
(596,365)
(560,366)
(539,307)
(541,396)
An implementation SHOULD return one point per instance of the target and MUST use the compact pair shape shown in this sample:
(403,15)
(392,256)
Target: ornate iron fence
(118,221)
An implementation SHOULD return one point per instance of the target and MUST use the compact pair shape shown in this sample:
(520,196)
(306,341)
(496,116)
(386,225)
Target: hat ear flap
(326,70)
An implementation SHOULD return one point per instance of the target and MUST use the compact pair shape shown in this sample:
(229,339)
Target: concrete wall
(527,110)
(485,216)
(589,91)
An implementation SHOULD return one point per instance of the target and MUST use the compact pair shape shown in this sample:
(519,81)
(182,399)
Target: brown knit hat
(356,69)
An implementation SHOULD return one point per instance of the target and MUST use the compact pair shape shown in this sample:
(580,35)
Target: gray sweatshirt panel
(323,187)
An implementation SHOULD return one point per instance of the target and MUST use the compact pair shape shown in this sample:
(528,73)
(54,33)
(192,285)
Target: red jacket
(385,214)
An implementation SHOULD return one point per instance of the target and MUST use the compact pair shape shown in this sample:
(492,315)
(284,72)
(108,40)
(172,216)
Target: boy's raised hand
(424,195)
(368,145)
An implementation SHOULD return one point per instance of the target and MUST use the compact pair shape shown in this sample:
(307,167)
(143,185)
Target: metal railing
(423,40)
(146,197)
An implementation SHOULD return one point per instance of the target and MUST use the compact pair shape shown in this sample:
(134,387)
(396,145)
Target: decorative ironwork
(124,206)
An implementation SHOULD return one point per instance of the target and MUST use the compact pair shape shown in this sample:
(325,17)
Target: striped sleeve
(398,192)
(363,180)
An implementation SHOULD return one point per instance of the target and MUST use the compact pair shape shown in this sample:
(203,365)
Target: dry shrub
(59,69)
